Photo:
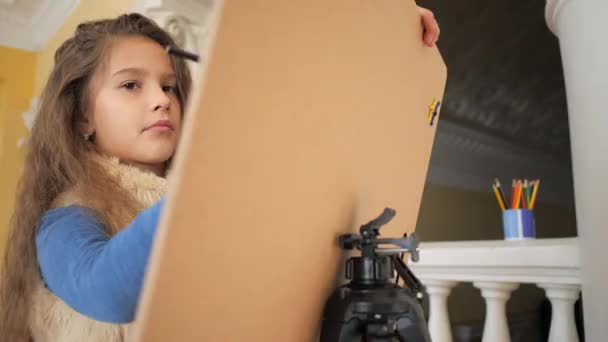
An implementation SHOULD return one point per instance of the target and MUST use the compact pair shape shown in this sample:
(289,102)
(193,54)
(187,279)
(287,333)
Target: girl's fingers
(431,27)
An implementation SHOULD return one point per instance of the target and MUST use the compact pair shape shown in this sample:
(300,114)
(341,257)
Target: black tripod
(371,307)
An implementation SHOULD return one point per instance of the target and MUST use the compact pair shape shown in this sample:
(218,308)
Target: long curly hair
(58,157)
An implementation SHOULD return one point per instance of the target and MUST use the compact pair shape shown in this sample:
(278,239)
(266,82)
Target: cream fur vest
(51,320)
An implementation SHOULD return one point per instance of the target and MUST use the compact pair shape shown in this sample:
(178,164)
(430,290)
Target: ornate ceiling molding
(468,159)
(29,24)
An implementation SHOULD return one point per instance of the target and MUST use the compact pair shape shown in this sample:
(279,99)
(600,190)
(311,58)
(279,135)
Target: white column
(562,297)
(439,319)
(496,294)
(582,29)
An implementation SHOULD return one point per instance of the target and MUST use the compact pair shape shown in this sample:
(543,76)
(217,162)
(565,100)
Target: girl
(91,193)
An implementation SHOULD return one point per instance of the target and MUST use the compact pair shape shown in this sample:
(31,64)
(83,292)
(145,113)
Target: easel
(309,119)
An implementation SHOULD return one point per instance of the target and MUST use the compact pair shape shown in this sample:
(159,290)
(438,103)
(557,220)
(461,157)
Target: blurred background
(504,115)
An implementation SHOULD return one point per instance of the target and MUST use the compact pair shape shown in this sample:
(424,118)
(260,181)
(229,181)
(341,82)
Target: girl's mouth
(160,126)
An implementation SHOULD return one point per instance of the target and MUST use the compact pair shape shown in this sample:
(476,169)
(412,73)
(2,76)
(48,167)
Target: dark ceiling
(504,72)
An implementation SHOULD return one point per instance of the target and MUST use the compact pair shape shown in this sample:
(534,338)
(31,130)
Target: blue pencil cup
(518,224)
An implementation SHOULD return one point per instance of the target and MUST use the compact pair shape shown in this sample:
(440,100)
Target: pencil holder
(518,224)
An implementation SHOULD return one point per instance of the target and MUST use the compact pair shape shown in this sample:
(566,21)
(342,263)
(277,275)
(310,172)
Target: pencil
(517,194)
(498,197)
(172,50)
(534,192)
(502,195)
(524,204)
(527,193)
(513,193)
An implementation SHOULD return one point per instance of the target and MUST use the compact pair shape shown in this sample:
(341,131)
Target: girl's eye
(169,88)
(130,85)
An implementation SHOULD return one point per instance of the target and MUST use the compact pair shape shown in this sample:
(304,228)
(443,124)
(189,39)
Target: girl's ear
(86,126)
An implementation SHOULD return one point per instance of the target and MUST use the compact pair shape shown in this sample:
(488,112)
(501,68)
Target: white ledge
(536,261)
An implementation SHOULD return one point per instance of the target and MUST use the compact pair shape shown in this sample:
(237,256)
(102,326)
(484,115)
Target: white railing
(497,268)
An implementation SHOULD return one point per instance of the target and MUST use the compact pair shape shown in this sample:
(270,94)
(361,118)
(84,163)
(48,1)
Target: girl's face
(135,112)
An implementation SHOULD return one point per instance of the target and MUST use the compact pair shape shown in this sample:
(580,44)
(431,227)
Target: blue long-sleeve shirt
(97,275)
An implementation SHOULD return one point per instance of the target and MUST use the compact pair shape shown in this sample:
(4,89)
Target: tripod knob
(369,270)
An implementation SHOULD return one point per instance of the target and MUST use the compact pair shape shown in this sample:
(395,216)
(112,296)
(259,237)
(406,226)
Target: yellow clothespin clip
(433,108)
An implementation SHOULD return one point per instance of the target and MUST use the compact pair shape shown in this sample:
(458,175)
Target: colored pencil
(498,197)
(502,194)
(524,189)
(527,193)
(517,194)
(513,194)
(534,192)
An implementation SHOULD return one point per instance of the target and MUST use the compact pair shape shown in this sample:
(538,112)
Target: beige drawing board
(310,117)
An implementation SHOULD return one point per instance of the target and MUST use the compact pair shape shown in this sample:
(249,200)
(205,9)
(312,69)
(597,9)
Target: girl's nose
(160,99)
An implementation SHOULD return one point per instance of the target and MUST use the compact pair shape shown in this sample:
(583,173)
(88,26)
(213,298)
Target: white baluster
(562,297)
(496,295)
(439,320)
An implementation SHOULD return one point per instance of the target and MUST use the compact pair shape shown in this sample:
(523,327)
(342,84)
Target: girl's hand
(431,27)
